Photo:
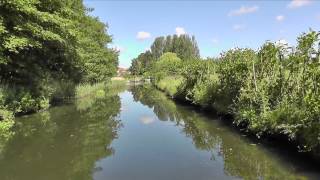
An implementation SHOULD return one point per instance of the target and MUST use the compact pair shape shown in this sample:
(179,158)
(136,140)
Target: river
(140,134)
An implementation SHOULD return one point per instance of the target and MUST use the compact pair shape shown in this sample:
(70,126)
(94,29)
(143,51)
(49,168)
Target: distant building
(122,72)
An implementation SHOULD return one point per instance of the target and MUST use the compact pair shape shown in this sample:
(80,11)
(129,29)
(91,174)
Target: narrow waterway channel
(139,134)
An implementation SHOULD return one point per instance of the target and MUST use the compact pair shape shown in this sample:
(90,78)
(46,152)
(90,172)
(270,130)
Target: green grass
(170,84)
(85,90)
(88,94)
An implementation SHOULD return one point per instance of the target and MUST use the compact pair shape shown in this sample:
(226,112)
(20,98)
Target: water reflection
(146,119)
(155,139)
(240,158)
(64,142)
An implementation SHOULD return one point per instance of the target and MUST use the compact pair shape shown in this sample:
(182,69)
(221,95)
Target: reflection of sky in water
(147,119)
(163,140)
(124,108)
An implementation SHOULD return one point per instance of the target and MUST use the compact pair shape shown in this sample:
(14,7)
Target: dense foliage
(272,91)
(142,63)
(46,47)
(184,46)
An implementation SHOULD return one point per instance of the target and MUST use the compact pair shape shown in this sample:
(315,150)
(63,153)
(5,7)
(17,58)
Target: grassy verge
(88,94)
(295,122)
(85,90)
(169,84)
(16,101)
(271,92)
(98,89)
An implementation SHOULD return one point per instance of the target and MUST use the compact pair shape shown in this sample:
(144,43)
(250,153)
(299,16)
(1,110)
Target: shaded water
(139,134)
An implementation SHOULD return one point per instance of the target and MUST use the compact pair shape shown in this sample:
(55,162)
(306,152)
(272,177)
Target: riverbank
(270,92)
(169,110)
(175,88)
(84,94)
(140,131)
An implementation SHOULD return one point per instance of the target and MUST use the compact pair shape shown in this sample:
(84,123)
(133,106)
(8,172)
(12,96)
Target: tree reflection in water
(241,159)
(64,142)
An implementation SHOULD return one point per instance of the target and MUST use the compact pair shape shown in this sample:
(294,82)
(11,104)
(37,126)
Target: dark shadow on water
(71,142)
(278,145)
(64,142)
(244,155)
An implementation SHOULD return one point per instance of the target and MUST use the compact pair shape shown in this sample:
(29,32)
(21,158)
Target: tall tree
(142,63)
(184,46)
(53,39)
(158,47)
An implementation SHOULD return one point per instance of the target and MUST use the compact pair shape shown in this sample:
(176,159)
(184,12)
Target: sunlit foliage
(272,91)
(46,48)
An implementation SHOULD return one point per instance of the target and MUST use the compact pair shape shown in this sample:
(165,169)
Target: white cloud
(147,49)
(180,31)
(146,119)
(280,18)
(298,3)
(243,10)
(238,27)
(282,43)
(142,35)
(215,40)
(119,48)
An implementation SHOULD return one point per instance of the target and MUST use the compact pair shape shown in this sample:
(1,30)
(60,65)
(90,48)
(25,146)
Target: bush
(6,123)
(168,64)
(170,84)
(271,91)
(84,90)
(59,90)
(87,95)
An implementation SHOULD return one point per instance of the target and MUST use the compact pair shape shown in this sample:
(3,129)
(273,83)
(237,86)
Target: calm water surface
(138,134)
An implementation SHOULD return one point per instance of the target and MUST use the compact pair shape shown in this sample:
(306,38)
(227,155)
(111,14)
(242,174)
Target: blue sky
(217,25)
